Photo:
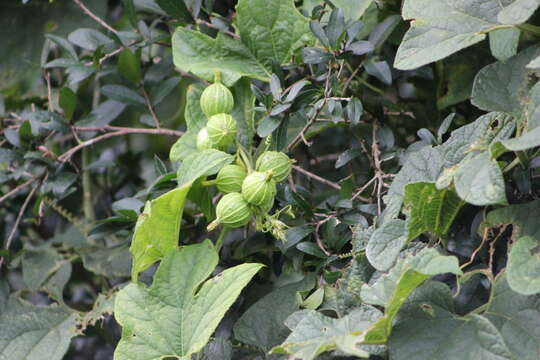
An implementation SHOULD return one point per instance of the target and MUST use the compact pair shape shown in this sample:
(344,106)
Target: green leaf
(315,333)
(38,265)
(29,332)
(524,263)
(123,94)
(157,229)
(518,319)
(503,86)
(195,121)
(440,28)
(529,140)
(204,163)
(89,39)
(352,9)
(504,43)
(430,209)
(524,266)
(392,290)
(176,316)
(429,330)
(479,181)
(385,244)
(68,102)
(532,112)
(262,325)
(272,29)
(243,112)
(176,9)
(202,55)
(129,66)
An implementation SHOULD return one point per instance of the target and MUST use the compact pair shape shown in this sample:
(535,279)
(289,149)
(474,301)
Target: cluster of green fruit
(247,191)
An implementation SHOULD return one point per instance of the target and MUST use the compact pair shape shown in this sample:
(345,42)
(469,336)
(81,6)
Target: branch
(124,131)
(150,108)
(88,12)
(317,177)
(16,190)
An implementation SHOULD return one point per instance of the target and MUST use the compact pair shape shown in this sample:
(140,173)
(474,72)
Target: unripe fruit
(268,204)
(258,187)
(221,129)
(277,162)
(216,99)
(229,179)
(203,140)
(232,211)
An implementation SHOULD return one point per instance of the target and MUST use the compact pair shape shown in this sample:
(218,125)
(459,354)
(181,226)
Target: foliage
(381,161)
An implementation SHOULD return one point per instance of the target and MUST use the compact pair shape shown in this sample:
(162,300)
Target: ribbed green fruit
(232,211)
(221,129)
(203,140)
(229,179)
(216,99)
(277,162)
(268,204)
(258,187)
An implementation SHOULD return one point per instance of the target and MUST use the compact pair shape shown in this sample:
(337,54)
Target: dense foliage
(270,179)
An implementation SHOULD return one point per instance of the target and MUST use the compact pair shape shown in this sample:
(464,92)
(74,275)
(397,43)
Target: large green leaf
(34,333)
(313,333)
(529,140)
(385,244)
(428,329)
(202,55)
(523,269)
(429,209)
(518,319)
(392,290)
(262,325)
(176,316)
(440,27)
(352,9)
(272,29)
(207,162)
(157,229)
(503,86)
(504,43)
(243,112)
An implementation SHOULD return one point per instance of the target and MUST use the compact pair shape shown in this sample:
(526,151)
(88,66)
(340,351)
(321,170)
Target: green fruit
(229,179)
(232,211)
(268,204)
(203,140)
(216,99)
(258,187)
(221,129)
(277,162)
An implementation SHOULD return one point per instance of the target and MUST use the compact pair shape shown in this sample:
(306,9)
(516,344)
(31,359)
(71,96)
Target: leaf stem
(221,237)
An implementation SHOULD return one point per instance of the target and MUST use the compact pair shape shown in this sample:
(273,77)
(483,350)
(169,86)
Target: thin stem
(221,237)
(16,190)
(95,17)
(317,177)
(151,108)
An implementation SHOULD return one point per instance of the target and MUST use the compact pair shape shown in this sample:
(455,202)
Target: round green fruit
(221,129)
(229,179)
(258,188)
(231,211)
(216,99)
(203,140)
(277,162)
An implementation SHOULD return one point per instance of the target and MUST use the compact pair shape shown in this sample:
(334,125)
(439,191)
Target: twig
(18,220)
(95,17)
(473,255)
(348,81)
(16,190)
(106,56)
(318,239)
(68,154)
(49,91)
(129,130)
(317,177)
(150,108)
(364,187)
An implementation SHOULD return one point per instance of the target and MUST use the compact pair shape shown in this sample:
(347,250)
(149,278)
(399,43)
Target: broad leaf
(529,140)
(479,181)
(429,209)
(385,244)
(38,265)
(29,332)
(523,269)
(313,333)
(176,316)
(243,112)
(440,28)
(207,162)
(503,86)
(392,290)
(518,319)
(504,43)
(429,330)
(271,29)
(157,229)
